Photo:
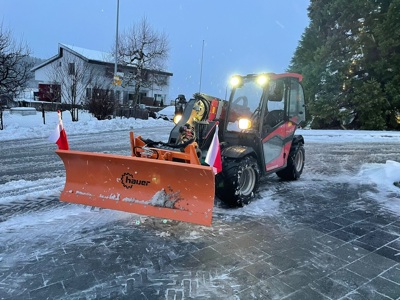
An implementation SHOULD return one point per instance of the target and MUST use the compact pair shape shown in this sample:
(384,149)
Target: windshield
(245,102)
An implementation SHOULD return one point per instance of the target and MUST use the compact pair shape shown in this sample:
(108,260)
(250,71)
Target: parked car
(167,113)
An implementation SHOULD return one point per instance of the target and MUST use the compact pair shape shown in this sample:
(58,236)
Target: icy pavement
(334,234)
(333,245)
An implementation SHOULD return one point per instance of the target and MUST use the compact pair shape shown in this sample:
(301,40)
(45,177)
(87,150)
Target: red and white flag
(213,157)
(59,136)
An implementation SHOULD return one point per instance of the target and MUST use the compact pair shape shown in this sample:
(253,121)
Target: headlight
(398,117)
(262,80)
(177,118)
(236,81)
(244,124)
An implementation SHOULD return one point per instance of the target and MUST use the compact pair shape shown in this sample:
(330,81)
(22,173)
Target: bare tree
(14,65)
(146,50)
(101,101)
(73,75)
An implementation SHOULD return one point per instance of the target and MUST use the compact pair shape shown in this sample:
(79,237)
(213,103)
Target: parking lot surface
(330,235)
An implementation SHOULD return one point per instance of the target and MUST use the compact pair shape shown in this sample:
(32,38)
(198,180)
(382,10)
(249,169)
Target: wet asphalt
(331,235)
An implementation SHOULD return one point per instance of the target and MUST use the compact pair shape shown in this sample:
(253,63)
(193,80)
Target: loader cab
(284,102)
(264,112)
(259,103)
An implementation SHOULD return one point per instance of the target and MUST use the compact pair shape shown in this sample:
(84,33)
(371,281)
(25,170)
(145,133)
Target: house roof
(91,56)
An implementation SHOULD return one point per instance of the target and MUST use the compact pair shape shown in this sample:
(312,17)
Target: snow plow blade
(152,187)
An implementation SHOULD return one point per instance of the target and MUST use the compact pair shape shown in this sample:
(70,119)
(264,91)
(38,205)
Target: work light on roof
(262,79)
(236,81)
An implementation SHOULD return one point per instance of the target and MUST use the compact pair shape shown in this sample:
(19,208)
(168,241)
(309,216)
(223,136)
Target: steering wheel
(239,99)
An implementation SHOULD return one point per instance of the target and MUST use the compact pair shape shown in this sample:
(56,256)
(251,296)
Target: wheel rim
(247,181)
(299,160)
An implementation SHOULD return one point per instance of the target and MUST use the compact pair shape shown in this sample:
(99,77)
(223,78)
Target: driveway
(329,235)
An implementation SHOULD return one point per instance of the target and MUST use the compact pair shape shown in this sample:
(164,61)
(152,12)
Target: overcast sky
(239,36)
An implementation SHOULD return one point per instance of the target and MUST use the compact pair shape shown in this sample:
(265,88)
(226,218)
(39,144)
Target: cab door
(282,117)
(273,127)
(295,104)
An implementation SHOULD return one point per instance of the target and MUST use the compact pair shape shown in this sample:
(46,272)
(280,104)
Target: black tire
(295,164)
(238,183)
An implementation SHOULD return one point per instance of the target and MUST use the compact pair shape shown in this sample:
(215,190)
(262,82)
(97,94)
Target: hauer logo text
(128,181)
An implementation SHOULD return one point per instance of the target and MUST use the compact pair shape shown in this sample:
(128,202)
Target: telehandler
(172,180)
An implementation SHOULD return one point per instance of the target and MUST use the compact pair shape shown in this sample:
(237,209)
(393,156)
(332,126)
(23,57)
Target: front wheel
(239,182)
(295,164)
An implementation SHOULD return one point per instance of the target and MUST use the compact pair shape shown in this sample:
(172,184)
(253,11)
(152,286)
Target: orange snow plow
(163,183)
(176,180)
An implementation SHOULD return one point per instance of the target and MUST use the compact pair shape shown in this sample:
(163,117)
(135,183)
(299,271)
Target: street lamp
(116,42)
(201,66)
(116,80)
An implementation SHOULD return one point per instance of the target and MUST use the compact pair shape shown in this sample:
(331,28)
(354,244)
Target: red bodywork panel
(284,134)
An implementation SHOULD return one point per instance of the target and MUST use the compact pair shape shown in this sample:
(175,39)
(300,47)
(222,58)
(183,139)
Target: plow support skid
(153,187)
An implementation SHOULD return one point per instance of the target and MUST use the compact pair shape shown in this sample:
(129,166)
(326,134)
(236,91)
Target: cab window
(296,102)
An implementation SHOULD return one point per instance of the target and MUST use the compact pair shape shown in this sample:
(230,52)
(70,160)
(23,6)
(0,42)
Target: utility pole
(117,79)
(116,42)
(201,66)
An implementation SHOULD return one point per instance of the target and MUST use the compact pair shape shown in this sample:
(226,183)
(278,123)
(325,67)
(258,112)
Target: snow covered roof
(86,54)
(93,55)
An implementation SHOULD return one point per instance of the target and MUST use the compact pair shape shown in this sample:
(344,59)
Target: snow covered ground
(18,128)
(39,227)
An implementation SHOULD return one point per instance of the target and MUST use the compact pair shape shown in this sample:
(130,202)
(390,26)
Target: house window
(159,97)
(131,97)
(158,100)
(141,96)
(117,96)
(71,68)
(89,93)
(160,80)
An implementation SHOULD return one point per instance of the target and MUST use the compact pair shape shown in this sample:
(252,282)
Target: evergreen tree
(371,103)
(349,49)
(388,33)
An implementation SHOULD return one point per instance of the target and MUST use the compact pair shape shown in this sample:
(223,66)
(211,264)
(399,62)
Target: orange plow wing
(163,189)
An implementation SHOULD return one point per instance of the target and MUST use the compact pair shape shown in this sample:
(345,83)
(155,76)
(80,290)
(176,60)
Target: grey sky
(239,36)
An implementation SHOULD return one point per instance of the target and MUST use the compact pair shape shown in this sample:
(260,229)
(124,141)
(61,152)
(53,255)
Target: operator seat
(273,118)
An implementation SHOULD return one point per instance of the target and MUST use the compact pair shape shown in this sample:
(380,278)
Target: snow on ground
(73,224)
(350,136)
(32,189)
(19,127)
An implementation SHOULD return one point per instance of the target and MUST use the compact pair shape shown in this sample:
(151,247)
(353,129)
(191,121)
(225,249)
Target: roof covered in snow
(91,56)
(88,54)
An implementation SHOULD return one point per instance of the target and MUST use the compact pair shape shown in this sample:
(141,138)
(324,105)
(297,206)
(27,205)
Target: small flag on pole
(213,157)
(59,136)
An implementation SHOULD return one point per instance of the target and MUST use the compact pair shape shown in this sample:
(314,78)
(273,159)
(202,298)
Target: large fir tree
(350,58)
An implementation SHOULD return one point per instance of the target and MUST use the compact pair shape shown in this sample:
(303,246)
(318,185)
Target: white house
(102,64)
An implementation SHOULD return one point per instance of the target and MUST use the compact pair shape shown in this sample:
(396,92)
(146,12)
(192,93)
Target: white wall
(43,75)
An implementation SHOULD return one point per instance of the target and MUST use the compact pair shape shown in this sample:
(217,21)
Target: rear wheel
(295,164)
(239,181)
